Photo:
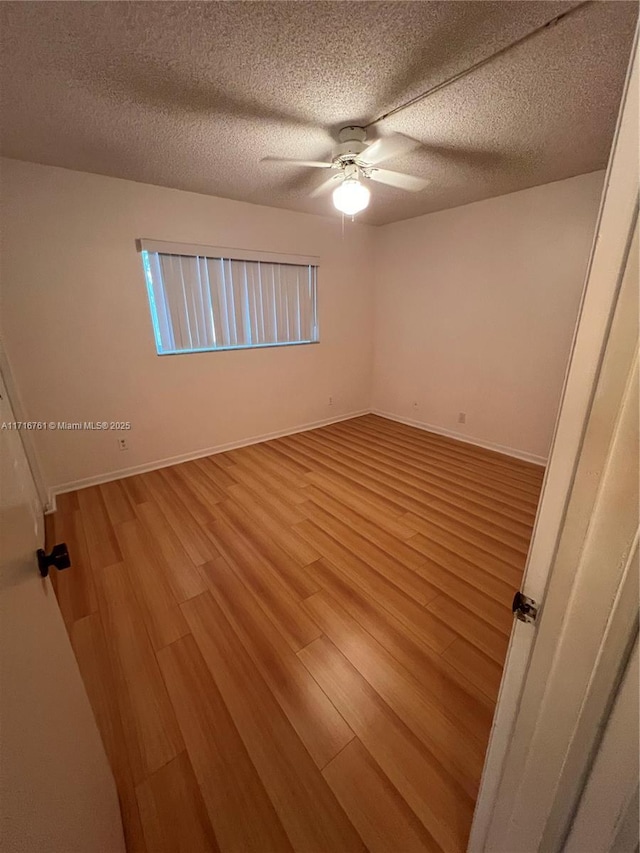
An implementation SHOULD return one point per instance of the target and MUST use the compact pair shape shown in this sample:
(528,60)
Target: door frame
(608,260)
(17,406)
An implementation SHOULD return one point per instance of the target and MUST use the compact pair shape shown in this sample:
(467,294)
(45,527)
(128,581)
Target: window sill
(242,347)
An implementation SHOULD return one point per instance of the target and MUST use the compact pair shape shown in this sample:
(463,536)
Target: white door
(57,793)
(561,670)
(607,817)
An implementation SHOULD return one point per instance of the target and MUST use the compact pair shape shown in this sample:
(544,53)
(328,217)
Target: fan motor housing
(346,151)
(351,145)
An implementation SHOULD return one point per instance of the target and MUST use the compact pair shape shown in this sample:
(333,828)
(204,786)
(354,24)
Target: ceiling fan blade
(315,164)
(387,147)
(325,186)
(398,180)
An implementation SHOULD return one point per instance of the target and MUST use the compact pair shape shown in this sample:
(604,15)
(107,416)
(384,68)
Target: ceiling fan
(354,161)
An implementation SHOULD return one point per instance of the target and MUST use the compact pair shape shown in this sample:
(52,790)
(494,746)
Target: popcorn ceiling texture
(193,95)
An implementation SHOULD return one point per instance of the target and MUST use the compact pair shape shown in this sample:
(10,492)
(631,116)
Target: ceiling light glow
(351,197)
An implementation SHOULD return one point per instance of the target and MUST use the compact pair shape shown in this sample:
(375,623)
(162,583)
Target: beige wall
(79,340)
(475,312)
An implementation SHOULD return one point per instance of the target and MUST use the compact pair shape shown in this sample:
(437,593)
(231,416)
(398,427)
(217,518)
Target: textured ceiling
(193,95)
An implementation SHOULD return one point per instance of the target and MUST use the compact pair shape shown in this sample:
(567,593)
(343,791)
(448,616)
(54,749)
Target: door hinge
(524,608)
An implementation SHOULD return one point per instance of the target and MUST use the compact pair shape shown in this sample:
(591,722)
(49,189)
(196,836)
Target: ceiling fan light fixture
(351,197)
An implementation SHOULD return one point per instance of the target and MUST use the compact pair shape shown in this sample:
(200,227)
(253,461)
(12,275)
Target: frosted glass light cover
(351,197)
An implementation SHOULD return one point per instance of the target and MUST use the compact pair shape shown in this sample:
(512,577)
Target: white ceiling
(193,95)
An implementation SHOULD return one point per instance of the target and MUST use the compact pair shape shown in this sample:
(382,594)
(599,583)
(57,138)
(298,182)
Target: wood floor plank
(67,502)
(471,596)
(268,476)
(364,502)
(376,809)
(116,501)
(221,459)
(308,809)
(197,545)
(268,537)
(216,473)
(390,544)
(415,478)
(263,461)
(443,808)
(416,622)
(501,569)
(277,599)
(271,447)
(381,479)
(386,564)
(425,447)
(98,674)
(136,489)
(150,729)
(75,588)
(297,645)
(288,512)
(382,590)
(173,815)
(260,510)
(470,626)
(200,478)
(418,439)
(241,813)
(323,467)
(181,573)
(399,495)
(364,479)
(195,490)
(435,463)
(482,541)
(149,574)
(417,708)
(469,708)
(101,541)
(316,721)
(495,587)
(516,536)
(475,666)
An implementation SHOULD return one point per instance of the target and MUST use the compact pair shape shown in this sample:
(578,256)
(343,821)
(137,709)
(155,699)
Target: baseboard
(186,457)
(488,445)
(221,448)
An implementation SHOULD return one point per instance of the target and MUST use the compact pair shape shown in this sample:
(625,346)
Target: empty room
(318,355)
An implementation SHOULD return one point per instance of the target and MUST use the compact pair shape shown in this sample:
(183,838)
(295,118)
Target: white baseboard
(488,445)
(186,457)
(245,442)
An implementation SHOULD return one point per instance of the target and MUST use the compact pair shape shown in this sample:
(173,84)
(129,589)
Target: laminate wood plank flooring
(297,646)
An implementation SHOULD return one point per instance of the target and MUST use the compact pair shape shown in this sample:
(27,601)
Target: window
(202,298)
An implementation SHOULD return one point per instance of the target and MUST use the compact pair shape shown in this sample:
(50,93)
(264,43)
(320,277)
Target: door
(556,685)
(607,817)
(57,794)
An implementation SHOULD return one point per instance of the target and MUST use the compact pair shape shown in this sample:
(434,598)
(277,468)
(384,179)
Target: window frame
(146,246)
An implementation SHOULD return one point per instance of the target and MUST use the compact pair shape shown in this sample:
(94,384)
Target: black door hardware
(59,557)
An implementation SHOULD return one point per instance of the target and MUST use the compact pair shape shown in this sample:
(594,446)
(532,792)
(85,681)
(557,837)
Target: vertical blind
(208,303)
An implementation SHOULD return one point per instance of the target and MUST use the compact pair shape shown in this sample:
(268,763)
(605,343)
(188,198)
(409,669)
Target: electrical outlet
(331,401)
(122,444)
(462,418)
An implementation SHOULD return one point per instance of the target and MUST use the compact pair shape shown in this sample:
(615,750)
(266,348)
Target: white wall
(475,312)
(78,336)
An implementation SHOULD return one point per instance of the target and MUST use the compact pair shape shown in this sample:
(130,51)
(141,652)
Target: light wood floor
(297,645)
